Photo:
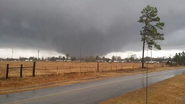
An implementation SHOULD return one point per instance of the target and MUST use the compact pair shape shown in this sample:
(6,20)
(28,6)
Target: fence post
(33,69)
(97,66)
(21,71)
(7,70)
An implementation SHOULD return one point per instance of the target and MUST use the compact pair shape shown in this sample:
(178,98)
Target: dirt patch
(170,91)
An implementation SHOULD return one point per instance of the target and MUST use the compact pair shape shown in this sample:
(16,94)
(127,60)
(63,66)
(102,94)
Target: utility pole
(38,54)
(12,53)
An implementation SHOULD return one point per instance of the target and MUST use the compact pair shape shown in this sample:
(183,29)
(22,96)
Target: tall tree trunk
(143,61)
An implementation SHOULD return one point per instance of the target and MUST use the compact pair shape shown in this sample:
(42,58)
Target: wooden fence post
(97,66)
(7,70)
(21,71)
(33,69)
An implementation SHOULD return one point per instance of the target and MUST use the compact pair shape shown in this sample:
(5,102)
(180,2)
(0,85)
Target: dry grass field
(46,68)
(49,74)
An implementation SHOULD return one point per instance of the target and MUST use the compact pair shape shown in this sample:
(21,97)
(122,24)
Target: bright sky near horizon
(42,53)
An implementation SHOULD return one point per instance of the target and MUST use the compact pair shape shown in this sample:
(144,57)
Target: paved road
(87,93)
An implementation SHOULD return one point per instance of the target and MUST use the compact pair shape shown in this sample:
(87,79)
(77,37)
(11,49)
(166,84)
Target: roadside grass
(170,91)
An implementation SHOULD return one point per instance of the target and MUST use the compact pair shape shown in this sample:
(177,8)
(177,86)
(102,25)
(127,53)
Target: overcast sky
(99,27)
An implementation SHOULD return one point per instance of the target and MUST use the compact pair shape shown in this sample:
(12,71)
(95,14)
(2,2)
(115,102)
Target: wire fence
(26,69)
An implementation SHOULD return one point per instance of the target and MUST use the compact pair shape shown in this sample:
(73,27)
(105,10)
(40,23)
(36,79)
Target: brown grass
(170,91)
(46,68)
(67,73)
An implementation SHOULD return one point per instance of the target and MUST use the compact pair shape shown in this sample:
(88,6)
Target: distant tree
(119,59)
(149,33)
(183,58)
(73,58)
(103,58)
(32,58)
(97,57)
(90,59)
(22,58)
(53,58)
(107,59)
(147,58)
(60,57)
(42,58)
(131,58)
(63,58)
(113,58)
(67,56)
(179,58)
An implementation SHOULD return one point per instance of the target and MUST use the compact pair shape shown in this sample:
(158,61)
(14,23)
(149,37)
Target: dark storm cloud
(98,26)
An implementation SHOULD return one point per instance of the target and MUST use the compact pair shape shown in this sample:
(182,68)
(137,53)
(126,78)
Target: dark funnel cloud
(97,26)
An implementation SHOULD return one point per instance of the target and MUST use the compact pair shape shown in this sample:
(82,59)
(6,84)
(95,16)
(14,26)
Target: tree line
(96,58)
(178,59)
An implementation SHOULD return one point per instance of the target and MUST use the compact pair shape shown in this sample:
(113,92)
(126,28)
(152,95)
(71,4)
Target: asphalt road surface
(89,92)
